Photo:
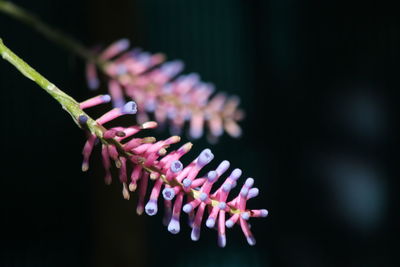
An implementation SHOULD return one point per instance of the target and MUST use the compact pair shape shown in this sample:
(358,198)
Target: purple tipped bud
(249,182)
(244,192)
(174,226)
(236,174)
(123,44)
(222,205)
(168,193)
(212,175)
(229,223)
(222,241)
(223,166)
(226,187)
(82,119)
(186,183)
(106,98)
(176,166)
(151,208)
(205,157)
(251,240)
(129,108)
(187,208)
(264,213)
(253,192)
(195,235)
(172,68)
(210,222)
(245,216)
(203,196)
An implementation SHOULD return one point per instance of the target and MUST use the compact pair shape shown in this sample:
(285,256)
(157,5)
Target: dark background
(319,83)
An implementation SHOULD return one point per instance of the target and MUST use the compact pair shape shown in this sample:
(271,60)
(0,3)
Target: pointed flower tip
(205,157)
(151,208)
(264,213)
(106,98)
(149,124)
(249,182)
(195,235)
(253,193)
(187,208)
(245,216)
(123,43)
(129,108)
(168,193)
(187,182)
(85,167)
(251,240)
(229,223)
(174,226)
(211,176)
(210,223)
(236,173)
(176,166)
(222,240)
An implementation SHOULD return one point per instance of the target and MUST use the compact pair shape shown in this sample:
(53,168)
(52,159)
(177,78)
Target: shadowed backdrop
(319,84)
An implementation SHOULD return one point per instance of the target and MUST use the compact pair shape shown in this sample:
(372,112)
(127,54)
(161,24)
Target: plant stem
(67,102)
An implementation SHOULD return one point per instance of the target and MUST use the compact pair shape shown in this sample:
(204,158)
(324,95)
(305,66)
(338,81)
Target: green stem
(53,34)
(67,102)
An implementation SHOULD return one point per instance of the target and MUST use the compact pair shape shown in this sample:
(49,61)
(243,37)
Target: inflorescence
(151,82)
(140,160)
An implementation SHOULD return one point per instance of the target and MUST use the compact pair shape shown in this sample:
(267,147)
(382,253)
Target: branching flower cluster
(144,163)
(158,88)
(140,160)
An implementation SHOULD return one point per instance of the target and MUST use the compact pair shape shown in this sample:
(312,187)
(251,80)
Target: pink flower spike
(149,159)
(94,101)
(128,108)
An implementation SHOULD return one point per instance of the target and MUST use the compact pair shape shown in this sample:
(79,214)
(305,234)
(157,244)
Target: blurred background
(319,82)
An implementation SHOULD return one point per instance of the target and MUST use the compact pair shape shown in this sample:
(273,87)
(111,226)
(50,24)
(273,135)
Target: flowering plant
(140,160)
